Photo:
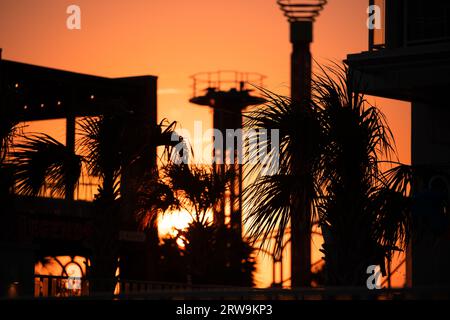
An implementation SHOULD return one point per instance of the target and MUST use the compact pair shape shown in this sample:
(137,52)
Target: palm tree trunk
(105,243)
(105,250)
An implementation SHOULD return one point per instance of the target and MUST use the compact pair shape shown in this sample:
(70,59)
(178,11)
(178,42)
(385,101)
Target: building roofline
(74,73)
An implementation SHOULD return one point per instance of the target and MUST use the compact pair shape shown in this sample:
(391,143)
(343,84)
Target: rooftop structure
(228,93)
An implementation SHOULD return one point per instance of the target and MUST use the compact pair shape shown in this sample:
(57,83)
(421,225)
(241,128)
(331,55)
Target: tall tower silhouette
(228,94)
(301,15)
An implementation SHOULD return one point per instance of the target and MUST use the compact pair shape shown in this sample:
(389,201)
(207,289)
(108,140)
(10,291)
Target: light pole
(301,15)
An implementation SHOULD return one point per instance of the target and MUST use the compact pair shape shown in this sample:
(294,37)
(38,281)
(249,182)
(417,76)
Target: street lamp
(306,10)
(301,15)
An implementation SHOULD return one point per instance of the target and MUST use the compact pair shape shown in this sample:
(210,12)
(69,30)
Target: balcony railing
(225,80)
(85,190)
(62,287)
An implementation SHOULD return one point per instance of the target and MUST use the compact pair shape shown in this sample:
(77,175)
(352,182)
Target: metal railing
(84,191)
(60,287)
(225,80)
(64,286)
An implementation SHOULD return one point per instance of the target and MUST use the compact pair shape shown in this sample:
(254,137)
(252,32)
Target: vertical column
(1,87)
(228,116)
(219,123)
(428,258)
(301,38)
(393,16)
(70,143)
(236,187)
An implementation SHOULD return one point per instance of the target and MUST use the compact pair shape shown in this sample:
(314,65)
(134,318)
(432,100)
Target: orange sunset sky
(174,39)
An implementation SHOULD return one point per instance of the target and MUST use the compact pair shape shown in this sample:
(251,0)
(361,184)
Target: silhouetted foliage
(330,156)
(42,163)
(109,153)
(172,262)
(212,254)
(217,255)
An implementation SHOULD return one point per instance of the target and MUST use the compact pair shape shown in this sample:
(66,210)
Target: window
(427,20)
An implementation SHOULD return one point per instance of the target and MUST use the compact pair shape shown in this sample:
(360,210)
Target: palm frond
(101,144)
(43,163)
(155,198)
(268,210)
(286,171)
(197,187)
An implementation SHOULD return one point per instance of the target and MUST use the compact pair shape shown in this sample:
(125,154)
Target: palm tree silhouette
(331,155)
(212,254)
(363,213)
(286,196)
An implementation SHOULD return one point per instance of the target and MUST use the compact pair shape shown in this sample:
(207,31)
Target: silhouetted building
(49,227)
(409,59)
